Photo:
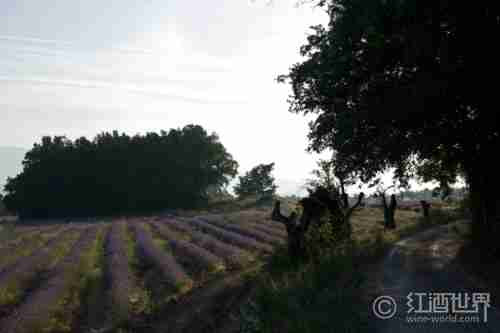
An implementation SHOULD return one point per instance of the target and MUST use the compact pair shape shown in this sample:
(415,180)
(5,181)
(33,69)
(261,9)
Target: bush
(310,297)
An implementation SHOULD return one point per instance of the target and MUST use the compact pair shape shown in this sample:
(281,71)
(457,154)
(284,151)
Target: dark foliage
(2,206)
(319,207)
(257,182)
(406,85)
(116,173)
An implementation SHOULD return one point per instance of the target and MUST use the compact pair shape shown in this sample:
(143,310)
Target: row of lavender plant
(201,258)
(13,234)
(265,227)
(120,273)
(230,237)
(232,255)
(23,234)
(17,277)
(71,308)
(171,270)
(26,244)
(35,314)
(246,231)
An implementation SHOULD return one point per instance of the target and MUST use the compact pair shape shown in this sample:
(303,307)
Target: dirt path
(426,263)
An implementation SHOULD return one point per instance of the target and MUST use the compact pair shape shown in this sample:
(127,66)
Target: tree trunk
(485,203)
(392,210)
(296,231)
(314,208)
(389,222)
(484,184)
(344,197)
(296,244)
(425,209)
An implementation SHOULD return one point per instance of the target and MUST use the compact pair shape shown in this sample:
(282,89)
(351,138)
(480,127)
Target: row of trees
(116,173)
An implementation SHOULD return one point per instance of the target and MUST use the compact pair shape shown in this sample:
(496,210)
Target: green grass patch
(305,297)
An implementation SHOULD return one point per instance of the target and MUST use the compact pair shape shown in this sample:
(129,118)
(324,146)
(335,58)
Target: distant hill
(10,163)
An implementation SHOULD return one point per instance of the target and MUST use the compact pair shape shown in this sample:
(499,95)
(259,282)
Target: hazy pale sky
(76,68)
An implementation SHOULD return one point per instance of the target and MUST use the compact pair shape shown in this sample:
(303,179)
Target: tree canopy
(116,173)
(257,182)
(332,175)
(396,84)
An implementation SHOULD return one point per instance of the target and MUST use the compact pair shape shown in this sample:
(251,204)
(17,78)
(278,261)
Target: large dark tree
(116,173)
(411,86)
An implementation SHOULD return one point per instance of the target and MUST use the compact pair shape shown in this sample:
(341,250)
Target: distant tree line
(116,173)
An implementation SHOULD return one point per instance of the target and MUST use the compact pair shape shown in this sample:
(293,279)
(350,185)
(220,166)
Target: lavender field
(122,274)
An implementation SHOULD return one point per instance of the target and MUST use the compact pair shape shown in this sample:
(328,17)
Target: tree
(425,209)
(389,209)
(319,203)
(257,182)
(332,176)
(116,173)
(396,84)
(2,207)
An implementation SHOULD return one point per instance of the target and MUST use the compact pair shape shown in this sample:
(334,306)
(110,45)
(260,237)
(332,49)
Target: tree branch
(278,217)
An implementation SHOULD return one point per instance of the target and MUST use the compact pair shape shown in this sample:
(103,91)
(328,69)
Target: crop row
(246,231)
(49,302)
(24,273)
(232,255)
(267,228)
(165,261)
(198,256)
(62,283)
(27,244)
(230,237)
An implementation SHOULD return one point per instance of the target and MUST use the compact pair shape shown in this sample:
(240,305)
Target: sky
(78,68)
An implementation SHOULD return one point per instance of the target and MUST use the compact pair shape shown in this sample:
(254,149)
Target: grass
(326,296)
(305,297)
(373,240)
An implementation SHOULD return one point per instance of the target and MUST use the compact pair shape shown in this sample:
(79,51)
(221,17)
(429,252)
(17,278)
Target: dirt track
(426,263)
